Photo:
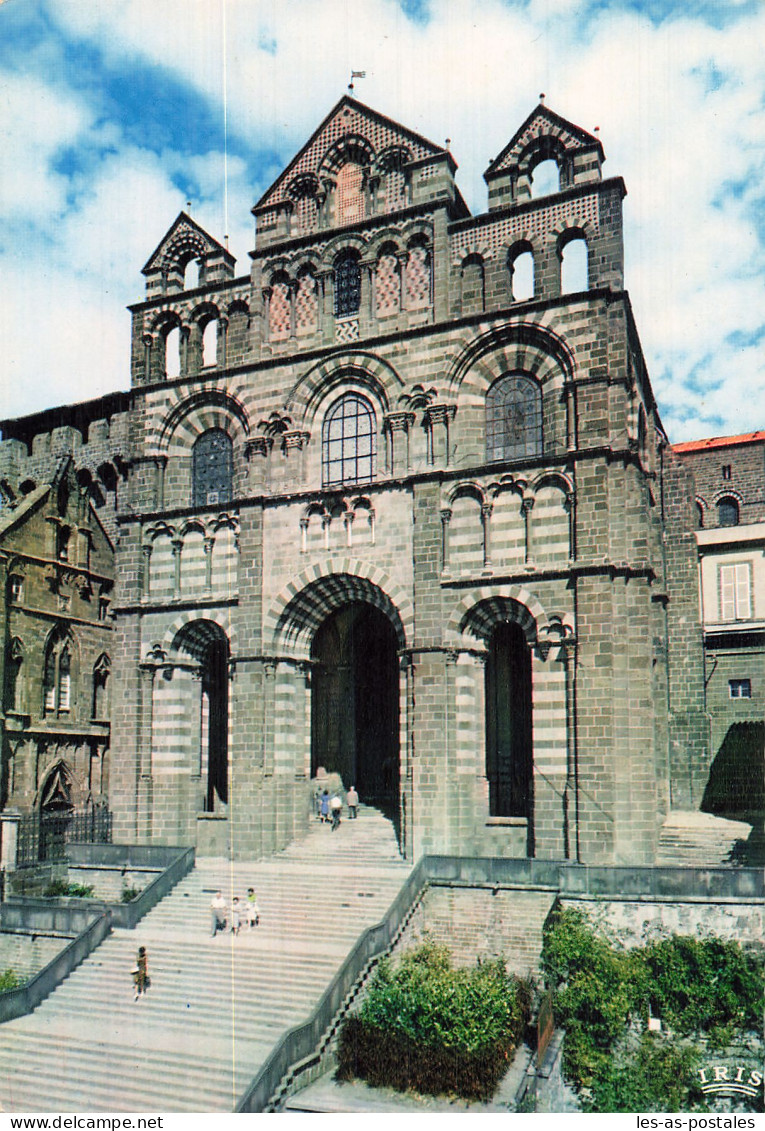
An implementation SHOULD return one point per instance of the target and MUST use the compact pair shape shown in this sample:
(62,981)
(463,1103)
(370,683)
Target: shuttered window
(736,591)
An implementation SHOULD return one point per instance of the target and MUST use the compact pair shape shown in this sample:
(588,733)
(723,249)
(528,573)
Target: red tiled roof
(719,442)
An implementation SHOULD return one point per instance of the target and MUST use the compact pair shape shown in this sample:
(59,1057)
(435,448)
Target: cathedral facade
(396,505)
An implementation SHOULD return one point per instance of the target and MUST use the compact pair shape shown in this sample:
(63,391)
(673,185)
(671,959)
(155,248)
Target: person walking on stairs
(352,801)
(336,806)
(141,973)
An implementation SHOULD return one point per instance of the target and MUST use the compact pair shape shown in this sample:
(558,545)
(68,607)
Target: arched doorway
(56,812)
(509,725)
(354,702)
(206,646)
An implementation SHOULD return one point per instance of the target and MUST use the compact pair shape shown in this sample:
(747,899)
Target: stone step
(216,1007)
(692,839)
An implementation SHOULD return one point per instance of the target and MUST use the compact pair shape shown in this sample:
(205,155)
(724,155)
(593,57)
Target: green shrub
(427,1026)
(698,987)
(659,1075)
(9,980)
(63,887)
(129,894)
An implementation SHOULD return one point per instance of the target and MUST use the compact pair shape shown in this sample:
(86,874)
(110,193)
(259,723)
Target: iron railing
(45,837)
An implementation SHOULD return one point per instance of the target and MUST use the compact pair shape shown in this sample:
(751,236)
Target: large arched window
(513,418)
(347,284)
(348,446)
(213,468)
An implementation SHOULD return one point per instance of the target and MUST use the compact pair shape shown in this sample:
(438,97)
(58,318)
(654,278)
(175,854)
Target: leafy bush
(9,980)
(427,1026)
(698,987)
(129,894)
(62,887)
(659,1075)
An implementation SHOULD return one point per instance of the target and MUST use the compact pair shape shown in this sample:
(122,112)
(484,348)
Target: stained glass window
(513,418)
(213,468)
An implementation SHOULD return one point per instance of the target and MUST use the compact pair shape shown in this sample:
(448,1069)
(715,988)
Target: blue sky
(112,118)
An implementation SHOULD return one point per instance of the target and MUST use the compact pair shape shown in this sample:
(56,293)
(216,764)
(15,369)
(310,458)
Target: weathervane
(356,75)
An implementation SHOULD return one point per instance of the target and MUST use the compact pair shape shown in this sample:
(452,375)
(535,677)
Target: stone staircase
(691,839)
(215,1007)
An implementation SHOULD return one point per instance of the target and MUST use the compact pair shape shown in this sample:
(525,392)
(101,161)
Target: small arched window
(210,343)
(521,268)
(173,352)
(347,284)
(727,512)
(699,516)
(545,179)
(513,418)
(191,274)
(574,268)
(213,468)
(349,442)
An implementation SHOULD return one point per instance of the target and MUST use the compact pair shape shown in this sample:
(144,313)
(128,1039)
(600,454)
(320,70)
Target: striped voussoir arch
(369,369)
(306,601)
(192,629)
(480,611)
(189,417)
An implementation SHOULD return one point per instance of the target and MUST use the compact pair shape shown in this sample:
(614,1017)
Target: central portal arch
(355,702)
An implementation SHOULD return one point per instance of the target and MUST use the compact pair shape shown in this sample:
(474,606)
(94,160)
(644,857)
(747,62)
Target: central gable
(351,133)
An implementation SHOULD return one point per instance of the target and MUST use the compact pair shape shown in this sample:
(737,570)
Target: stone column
(571,430)
(266,292)
(147,348)
(184,351)
(160,463)
(293,288)
(257,452)
(438,418)
(177,545)
(143,817)
(208,552)
(293,443)
(396,426)
(446,516)
(526,508)
(570,509)
(222,342)
(146,570)
(365,301)
(486,510)
(567,657)
(322,287)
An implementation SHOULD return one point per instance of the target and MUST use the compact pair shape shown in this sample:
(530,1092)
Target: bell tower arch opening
(355,702)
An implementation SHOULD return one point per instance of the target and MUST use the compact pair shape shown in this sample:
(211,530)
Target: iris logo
(725,1080)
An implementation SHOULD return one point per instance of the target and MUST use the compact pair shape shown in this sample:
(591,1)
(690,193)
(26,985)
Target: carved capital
(295,440)
(440,413)
(258,446)
(399,421)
